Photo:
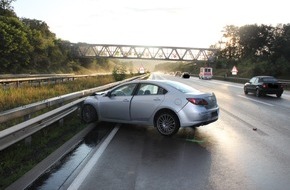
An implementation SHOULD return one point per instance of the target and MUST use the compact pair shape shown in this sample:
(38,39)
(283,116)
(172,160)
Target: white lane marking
(283,95)
(256,101)
(225,84)
(86,170)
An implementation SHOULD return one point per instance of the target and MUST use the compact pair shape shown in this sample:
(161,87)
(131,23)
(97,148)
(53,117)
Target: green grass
(14,97)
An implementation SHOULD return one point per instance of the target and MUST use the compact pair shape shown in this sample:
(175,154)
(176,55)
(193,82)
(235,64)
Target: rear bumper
(271,91)
(205,77)
(199,117)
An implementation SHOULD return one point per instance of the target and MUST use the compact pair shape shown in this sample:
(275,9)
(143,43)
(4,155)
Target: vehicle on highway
(205,73)
(185,75)
(165,104)
(262,85)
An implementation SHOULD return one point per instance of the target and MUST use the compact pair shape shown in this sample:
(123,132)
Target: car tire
(245,91)
(167,123)
(89,113)
(258,93)
(278,95)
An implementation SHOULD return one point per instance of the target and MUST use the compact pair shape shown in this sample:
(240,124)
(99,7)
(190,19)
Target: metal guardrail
(27,128)
(22,130)
(41,79)
(31,108)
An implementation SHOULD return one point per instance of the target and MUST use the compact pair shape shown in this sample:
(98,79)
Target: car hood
(99,93)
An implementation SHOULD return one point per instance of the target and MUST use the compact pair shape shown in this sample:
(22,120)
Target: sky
(178,23)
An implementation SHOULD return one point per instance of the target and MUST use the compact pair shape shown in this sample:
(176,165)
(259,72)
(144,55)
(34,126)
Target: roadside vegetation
(253,49)
(28,46)
(12,97)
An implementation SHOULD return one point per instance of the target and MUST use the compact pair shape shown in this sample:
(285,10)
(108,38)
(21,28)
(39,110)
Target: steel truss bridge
(143,52)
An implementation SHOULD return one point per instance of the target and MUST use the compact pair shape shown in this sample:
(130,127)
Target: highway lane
(264,153)
(247,148)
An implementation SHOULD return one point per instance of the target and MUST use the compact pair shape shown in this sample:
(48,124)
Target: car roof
(265,76)
(159,82)
(154,81)
(163,83)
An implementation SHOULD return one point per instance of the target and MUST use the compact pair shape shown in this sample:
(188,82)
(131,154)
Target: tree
(6,4)
(231,50)
(43,42)
(14,47)
(286,42)
(6,9)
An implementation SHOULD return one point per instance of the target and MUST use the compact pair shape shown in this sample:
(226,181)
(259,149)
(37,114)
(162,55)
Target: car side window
(126,90)
(150,89)
(252,80)
(161,91)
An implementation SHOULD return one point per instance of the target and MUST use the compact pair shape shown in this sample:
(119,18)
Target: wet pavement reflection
(56,176)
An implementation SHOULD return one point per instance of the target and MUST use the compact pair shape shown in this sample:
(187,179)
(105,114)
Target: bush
(119,73)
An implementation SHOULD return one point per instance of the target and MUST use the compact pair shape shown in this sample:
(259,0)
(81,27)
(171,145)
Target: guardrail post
(6,86)
(27,140)
(61,121)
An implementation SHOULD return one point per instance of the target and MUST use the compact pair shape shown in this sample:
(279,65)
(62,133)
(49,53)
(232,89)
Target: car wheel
(245,91)
(258,93)
(167,123)
(278,95)
(89,113)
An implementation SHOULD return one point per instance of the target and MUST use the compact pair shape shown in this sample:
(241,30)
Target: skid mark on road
(249,125)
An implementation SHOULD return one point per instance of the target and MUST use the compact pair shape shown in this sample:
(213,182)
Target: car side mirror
(109,94)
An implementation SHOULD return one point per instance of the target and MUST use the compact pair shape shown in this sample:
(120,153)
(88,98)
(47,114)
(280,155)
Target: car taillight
(198,101)
(265,85)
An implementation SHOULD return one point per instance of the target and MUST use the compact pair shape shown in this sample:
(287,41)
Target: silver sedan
(168,105)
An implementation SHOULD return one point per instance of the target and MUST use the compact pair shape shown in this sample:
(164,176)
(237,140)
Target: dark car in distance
(262,85)
(185,75)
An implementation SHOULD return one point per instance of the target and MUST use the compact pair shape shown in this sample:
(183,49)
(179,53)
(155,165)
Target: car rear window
(181,87)
(269,79)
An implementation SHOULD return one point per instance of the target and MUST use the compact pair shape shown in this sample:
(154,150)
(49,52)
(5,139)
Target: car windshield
(181,87)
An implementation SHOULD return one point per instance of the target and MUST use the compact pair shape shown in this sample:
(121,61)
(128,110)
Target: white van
(205,73)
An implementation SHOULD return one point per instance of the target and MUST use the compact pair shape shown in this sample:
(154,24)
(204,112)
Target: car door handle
(125,100)
(156,99)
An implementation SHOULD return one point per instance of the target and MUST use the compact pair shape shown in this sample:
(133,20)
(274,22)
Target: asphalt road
(247,148)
